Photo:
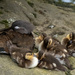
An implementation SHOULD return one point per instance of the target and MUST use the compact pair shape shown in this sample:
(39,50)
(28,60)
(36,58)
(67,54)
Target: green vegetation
(37,33)
(34,15)
(1,12)
(5,22)
(68,72)
(30,3)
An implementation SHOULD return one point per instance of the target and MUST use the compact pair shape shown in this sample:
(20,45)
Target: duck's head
(39,39)
(29,56)
(22,27)
(48,42)
(70,36)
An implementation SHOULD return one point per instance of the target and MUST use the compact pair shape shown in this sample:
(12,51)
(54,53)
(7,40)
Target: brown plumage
(54,47)
(21,45)
(3,41)
(50,44)
(69,43)
(21,40)
(66,41)
(48,61)
(39,39)
(23,56)
(16,36)
(71,49)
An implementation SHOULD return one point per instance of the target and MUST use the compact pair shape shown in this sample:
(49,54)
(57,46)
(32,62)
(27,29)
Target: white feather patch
(61,61)
(63,55)
(14,53)
(65,50)
(54,65)
(73,54)
(57,56)
(34,62)
(40,46)
(17,27)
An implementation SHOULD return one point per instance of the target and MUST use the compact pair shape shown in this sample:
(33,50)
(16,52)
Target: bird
(20,33)
(66,41)
(21,27)
(54,47)
(48,43)
(24,57)
(69,43)
(71,49)
(39,39)
(47,61)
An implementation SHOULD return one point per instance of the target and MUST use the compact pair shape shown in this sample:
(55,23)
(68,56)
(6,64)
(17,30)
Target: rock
(73,72)
(72,61)
(56,35)
(51,26)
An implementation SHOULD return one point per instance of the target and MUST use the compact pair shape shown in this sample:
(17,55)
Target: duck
(54,47)
(24,57)
(66,41)
(20,26)
(71,49)
(20,33)
(69,43)
(49,62)
(39,40)
(48,43)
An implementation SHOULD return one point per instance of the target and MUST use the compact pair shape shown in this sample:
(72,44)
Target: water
(67,1)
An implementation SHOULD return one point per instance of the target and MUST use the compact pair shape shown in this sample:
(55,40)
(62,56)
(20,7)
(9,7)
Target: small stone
(56,35)
(73,72)
(51,26)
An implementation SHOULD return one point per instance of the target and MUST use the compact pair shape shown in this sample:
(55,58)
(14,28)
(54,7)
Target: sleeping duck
(23,56)
(54,47)
(20,26)
(47,61)
(20,33)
